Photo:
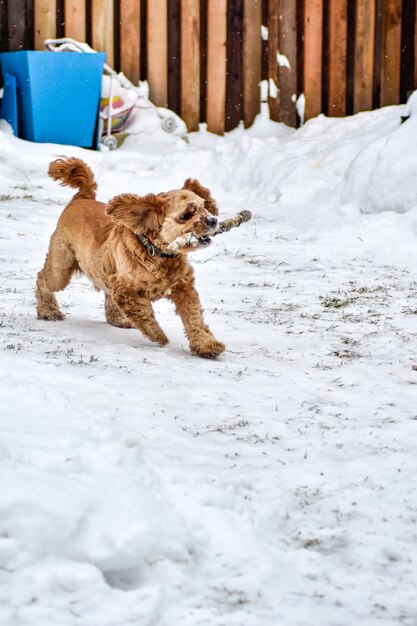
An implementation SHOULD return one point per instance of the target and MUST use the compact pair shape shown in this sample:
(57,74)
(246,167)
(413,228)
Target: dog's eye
(189,212)
(186,216)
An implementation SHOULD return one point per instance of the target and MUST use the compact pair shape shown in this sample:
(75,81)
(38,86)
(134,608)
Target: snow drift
(274,486)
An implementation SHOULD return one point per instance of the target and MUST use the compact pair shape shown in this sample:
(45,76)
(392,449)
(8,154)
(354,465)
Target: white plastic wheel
(169,124)
(110,142)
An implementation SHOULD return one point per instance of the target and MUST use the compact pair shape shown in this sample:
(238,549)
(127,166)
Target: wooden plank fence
(206,58)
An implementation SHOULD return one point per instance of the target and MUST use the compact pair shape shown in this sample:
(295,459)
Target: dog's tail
(74,173)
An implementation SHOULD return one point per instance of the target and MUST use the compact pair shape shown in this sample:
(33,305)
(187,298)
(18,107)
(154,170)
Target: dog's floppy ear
(140,214)
(194,185)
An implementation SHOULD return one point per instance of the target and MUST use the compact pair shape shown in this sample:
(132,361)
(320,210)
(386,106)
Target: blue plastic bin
(8,109)
(57,95)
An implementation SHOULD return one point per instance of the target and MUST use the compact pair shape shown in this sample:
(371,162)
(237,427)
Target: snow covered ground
(272,487)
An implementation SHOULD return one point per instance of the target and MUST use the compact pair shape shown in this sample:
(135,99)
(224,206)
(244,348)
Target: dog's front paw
(51,316)
(160,338)
(209,349)
(120,324)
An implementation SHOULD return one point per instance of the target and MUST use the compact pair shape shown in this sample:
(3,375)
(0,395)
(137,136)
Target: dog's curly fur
(101,241)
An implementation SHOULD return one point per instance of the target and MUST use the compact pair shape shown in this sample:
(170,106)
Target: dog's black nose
(211,222)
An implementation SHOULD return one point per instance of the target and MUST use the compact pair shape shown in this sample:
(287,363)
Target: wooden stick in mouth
(190,239)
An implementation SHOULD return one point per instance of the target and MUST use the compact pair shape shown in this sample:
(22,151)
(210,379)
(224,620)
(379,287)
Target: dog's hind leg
(114,315)
(59,266)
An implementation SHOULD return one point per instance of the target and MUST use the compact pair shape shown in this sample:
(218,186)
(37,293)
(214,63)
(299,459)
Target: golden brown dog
(120,247)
